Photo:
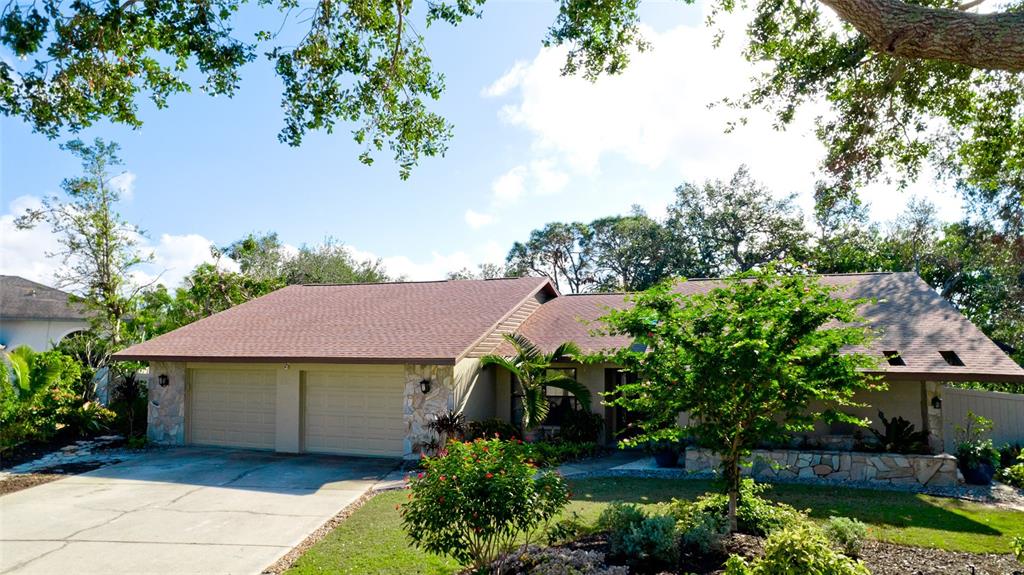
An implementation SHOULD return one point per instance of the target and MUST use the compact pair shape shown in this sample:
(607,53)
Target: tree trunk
(986,41)
(732,480)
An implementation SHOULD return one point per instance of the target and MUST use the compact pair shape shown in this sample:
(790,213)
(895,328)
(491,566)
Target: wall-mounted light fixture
(937,402)
(163,380)
(425,386)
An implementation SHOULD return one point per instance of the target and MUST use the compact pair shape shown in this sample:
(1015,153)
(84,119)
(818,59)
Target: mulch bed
(25,480)
(880,558)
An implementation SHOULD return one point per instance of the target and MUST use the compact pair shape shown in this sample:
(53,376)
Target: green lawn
(371,541)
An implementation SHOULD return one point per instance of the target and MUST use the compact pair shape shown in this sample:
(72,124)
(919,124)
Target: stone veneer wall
(890,468)
(420,408)
(166,415)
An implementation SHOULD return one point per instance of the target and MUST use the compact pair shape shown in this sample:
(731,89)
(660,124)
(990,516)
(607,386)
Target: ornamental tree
(477,499)
(745,360)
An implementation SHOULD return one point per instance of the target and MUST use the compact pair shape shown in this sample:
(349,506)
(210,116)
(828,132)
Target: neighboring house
(361,369)
(36,315)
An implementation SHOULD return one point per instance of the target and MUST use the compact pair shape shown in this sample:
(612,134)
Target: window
(952,358)
(560,401)
(893,357)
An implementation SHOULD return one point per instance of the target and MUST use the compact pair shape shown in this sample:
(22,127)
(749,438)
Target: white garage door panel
(233,408)
(355,411)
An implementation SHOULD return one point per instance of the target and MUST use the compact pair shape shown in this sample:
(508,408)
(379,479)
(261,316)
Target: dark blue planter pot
(981,474)
(666,458)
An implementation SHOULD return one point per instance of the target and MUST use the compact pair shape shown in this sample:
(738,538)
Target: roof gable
(410,322)
(910,318)
(25,299)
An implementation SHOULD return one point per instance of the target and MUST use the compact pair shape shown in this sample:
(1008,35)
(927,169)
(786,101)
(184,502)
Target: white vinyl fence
(1006,410)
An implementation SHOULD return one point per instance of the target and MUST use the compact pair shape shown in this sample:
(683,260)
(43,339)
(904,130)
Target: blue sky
(529,147)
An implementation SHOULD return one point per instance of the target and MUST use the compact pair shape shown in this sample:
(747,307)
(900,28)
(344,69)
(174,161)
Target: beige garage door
(355,410)
(233,407)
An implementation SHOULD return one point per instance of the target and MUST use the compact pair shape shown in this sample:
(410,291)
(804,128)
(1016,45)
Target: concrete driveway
(187,510)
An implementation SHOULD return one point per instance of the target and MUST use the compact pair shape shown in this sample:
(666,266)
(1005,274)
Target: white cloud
(509,187)
(437,266)
(124,183)
(25,252)
(656,117)
(476,220)
(547,178)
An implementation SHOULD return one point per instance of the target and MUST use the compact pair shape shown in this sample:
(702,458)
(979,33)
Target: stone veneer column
(166,414)
(933,421)
(420,408)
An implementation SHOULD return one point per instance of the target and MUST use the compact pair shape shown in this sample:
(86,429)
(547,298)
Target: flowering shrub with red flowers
(476,500)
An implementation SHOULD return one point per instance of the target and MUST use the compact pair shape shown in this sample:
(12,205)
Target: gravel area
(880,558)
(71,459)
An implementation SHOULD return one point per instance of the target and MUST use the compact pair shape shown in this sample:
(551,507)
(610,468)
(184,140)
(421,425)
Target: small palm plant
(532,367)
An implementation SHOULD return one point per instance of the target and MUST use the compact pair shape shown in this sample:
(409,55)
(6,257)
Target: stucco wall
(40,335)
(474,389)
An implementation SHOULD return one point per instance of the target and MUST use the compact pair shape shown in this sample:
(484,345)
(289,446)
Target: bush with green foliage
(755,515)
(553,453)
(1010,454)
(1013,474)
(476,501)
(1017,545)
(848,534)
(899,436)
(638,538)
(799,548)
(490,429)
(581,426)
(973,444)
(41,394)
(703,532)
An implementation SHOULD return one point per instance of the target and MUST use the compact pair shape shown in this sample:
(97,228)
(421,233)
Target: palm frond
(503,362)
(20,360)
(525,349)
(577,389)
(568,349)
(535,407)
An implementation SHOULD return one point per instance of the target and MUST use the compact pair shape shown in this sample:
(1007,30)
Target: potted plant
(665,451)
(975,454)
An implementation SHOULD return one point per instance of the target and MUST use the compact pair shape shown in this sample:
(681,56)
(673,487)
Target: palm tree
(532,368)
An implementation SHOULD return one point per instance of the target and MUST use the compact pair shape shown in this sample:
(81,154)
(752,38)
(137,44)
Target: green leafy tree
(331,263)
(259,256)
(483,272)
(724,227)
(532,368)
(630,252)
(746,361)
(907,82)
(99,249)
(559,251)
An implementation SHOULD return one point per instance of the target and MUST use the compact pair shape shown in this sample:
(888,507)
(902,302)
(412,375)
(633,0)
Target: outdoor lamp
(937,402)
(163,380)
(425,386)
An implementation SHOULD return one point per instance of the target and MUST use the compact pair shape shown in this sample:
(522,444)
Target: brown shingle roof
(425,322)
(910,316)
(24,299)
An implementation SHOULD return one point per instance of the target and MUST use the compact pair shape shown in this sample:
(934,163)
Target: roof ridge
(412,282)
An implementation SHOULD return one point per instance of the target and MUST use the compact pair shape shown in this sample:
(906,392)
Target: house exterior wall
(168,412)
(474,389)
(40,335)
